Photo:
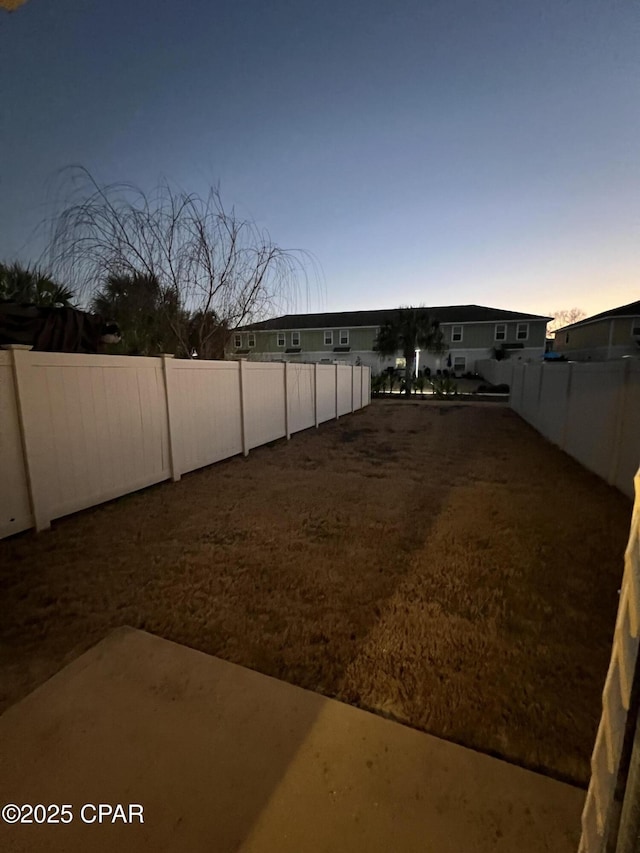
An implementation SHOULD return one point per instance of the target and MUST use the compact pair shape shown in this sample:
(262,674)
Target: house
(611,334)
(471,333)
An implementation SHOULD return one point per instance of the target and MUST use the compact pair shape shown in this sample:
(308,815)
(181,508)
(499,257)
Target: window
(566,338)
(237,341)
(459,364)
(344,337)
(501,332)
(456,334)
(282,339)
(635,328)
(295,339)
(251,340)
(522,332)
(328,339)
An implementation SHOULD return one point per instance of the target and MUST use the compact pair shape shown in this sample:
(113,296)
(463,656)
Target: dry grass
(438,563)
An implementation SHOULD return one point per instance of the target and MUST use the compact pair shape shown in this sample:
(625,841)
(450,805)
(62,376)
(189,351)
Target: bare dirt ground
(438,563)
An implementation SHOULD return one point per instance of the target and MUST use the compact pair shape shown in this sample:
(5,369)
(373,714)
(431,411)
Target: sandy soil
(438,563)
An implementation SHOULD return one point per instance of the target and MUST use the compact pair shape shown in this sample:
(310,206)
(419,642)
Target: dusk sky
(435,152)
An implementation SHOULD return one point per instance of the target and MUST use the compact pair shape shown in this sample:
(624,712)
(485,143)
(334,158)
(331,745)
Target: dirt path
(438,563)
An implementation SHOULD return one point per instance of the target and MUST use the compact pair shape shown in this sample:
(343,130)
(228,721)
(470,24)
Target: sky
(428,153)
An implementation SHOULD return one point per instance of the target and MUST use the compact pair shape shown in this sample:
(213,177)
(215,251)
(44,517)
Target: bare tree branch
(222,271)
(564,317)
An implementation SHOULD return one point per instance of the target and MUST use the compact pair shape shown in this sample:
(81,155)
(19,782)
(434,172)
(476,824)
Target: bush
(377,384)
(444,387)
(492,389)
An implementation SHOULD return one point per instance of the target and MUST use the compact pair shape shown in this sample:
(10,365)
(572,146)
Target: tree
(145,313)
(406,331)
(32,286)
(564,317)
(221,271)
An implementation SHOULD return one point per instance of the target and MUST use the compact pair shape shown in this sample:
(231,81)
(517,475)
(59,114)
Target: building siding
(591,335)
(608,338)
(622,328)
(483,335)
(478,342)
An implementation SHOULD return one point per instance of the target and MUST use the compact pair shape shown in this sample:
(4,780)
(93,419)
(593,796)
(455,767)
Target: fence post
(19,366)
(336,380)
(286,400)
(539,400)
(523,369)
(620,410)
(172,427)
(243,429)
(353,402)
(315,392)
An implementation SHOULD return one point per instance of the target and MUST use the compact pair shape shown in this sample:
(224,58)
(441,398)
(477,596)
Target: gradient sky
(433,152)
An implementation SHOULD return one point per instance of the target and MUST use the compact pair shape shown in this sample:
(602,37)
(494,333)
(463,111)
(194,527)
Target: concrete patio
(224,759)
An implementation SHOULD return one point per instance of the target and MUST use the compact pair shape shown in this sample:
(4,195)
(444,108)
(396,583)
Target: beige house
(611,334)
(471,333)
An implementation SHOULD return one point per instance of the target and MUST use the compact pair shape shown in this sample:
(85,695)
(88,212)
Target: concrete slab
(225,759)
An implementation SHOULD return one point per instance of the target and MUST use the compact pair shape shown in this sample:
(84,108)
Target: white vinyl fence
(78,430)
(591,410)
(496,372)
(616,700)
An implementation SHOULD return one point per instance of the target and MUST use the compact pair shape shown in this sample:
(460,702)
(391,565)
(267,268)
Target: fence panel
(532,377)
(616,697)
(628,444)
(593,412)
(517,388)
(263,401)
(356,380)
(15,509)
(344,389)
(496,372)
(95,426)
(301,396)
(204,410)
(553,401)
(326,392)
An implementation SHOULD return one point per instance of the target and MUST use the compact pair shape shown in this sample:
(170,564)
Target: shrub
(492,389)
(444,387)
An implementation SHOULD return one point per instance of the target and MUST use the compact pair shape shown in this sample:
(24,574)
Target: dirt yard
(438,563)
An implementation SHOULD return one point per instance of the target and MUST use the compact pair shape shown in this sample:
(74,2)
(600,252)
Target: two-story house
(611,334)
(471,333)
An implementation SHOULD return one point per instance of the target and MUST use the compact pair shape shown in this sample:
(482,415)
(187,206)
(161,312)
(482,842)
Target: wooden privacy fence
(591,410)
(78,430)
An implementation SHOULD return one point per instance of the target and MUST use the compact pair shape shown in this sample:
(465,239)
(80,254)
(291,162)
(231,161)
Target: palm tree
(148,314)
(32,286)
(406,331)
(207,334)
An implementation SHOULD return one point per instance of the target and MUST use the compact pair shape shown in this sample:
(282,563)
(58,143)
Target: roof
(630,310)
(351,319)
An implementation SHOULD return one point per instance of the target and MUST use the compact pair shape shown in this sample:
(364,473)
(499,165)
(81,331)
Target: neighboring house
(611,334)
(471,333)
